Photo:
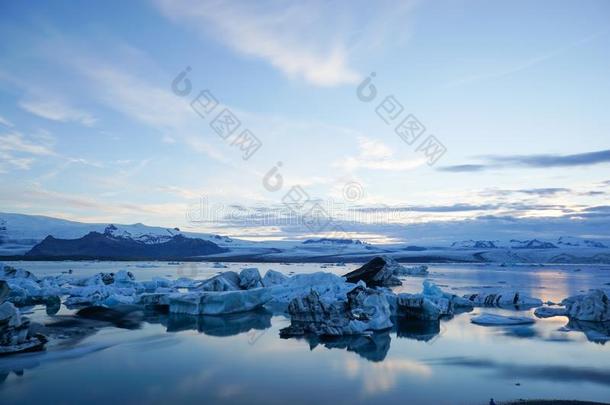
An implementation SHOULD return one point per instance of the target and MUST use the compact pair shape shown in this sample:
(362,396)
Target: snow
(500,320)
(24,231)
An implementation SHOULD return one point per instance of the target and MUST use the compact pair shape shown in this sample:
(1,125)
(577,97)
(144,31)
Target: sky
(400,121)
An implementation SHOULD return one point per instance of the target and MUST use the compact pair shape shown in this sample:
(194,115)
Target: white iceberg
(501,320)
(549,312)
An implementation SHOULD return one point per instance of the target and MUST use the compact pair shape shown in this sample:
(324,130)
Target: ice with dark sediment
(361,310)
(592,306)
(504,299)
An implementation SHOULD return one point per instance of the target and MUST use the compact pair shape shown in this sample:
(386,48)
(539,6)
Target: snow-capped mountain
(19,232)
(578,242)
(531,244)
(476,244)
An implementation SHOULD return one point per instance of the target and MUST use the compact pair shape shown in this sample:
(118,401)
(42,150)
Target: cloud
(544,191)
(549,160)
(305,40)
(526,64)
(275,34)
(15,142)
(534,161)
(56,110)
(5,122)
(375,155)
(463,168)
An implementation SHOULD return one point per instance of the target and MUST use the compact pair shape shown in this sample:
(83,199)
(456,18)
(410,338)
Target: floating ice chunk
(218,265)
(14,332)
(250,278)
(8,272)
(156,299)
(328,285)
(378,272)
(117,299)
(503,299)
(549,312)
(401,270)
(273,277)
(593,306)
(185,282)
(361,310)
(500,320)
(227,281)
(418,306)
(123,277)
(432,291)
(157,283)
(217,302)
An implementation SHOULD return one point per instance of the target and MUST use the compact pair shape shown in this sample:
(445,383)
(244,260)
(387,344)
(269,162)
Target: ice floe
(501,320)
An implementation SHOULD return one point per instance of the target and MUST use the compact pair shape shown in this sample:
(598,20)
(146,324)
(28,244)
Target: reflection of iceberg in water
(372,347)
(416,329)
(220,325)
(597,332)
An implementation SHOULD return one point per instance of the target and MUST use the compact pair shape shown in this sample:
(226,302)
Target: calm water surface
(241,359)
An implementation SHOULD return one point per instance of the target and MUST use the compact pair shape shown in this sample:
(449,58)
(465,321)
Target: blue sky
(516,92)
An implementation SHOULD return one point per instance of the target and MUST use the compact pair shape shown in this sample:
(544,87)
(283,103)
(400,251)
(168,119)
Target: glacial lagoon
(242,359)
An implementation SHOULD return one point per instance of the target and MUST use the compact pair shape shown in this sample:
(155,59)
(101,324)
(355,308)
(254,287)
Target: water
(241,359)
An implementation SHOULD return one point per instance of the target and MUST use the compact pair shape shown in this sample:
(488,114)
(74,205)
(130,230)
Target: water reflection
(596,332)
(416,329)
(221,325)
(534,371)
(373,347)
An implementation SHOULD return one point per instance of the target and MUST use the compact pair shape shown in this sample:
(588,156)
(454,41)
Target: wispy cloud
(276,33)
(528,63)
(535,161)
(16,142)
(56,110)
(5,122)
(375,155)
(304,40)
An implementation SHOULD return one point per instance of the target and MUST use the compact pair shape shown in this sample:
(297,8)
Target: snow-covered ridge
(19,233)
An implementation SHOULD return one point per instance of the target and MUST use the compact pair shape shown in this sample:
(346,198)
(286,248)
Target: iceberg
(362,310)
(227,281)
(217,302)
(500,320)
(592,307)
(549,312)
(250,278)
(503,299)
(273,277)
(15,336)
(380,272)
